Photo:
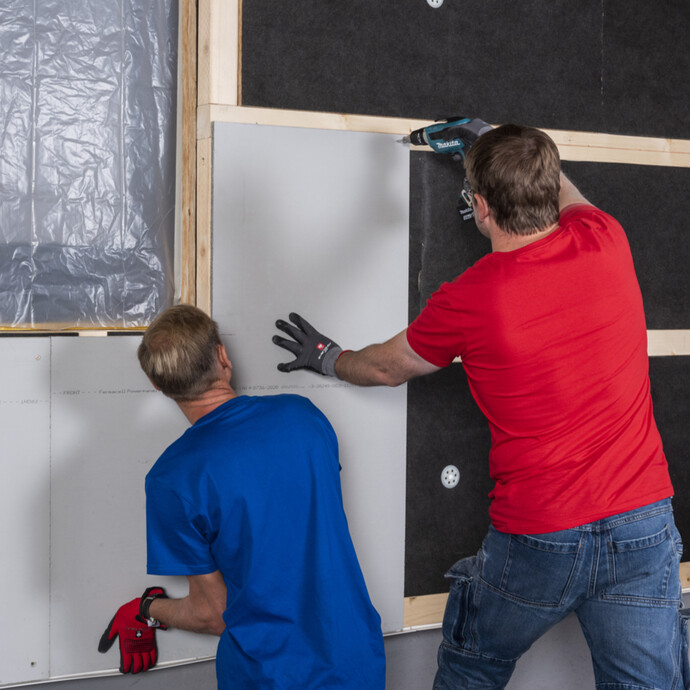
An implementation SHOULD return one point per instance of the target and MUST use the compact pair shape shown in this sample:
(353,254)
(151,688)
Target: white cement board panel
(316,222)
(24,508)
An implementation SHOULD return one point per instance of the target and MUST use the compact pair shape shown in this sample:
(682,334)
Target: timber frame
(211,91)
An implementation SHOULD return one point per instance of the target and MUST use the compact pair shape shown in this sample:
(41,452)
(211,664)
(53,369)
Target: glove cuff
(145,604)
(329,359)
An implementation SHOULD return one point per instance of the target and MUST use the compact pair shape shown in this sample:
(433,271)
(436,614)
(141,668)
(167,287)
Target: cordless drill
(453,136)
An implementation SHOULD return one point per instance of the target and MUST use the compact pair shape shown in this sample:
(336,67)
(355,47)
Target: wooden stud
(219,27)
(304,118)
(685,576)
(573,146)
(663,343)
(53,328)
(186,208)
(203,74)
(239,53)
(204,186)
(424,610)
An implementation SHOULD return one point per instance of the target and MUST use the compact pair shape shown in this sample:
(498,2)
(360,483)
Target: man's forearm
(183,614)
(386,364)
(200,611)
(368,367)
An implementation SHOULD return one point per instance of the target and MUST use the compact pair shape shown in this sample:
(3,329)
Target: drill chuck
(418,138)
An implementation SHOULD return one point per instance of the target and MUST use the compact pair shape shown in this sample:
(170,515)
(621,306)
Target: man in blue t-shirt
(247,504)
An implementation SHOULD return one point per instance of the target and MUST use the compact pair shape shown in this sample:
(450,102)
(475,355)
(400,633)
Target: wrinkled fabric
(87,161)
(619,576)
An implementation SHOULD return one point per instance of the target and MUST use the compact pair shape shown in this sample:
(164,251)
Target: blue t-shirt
(253,489)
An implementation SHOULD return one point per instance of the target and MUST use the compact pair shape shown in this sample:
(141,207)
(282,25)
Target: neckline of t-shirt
(541,242)
(570,208)
(240,398)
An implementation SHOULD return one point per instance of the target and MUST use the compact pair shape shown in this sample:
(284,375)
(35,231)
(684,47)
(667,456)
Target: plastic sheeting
(87,161)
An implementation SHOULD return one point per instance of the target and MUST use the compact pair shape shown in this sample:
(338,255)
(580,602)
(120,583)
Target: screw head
(435,3)
(450,476)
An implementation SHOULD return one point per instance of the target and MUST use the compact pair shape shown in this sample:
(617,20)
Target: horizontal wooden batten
(302,118)
(685,576)
(662,343)
(424,610)
(573,146)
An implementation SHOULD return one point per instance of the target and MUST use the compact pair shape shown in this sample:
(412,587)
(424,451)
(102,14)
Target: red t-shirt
(552,337)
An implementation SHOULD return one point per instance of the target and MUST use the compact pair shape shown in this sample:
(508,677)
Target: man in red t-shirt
(550,330)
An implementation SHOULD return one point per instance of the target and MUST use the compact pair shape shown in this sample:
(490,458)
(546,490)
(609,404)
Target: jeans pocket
(458,617)
(645,568)
(534,569)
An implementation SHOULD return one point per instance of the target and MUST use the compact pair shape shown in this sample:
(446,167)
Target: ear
(223,358)
(481,207)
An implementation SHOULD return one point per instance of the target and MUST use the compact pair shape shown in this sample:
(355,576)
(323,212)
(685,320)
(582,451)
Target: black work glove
(312,350)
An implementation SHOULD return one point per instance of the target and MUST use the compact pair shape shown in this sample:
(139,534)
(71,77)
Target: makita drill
(453,136)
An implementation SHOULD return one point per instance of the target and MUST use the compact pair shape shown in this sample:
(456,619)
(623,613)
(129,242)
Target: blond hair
(517,170)
(179,352)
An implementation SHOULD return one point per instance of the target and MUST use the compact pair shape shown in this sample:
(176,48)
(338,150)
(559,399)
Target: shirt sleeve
(175,539)
(436,334)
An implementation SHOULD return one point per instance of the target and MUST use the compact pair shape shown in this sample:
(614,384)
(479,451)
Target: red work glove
(138,651)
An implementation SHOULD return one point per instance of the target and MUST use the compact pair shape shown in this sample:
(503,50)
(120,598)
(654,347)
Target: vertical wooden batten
(187,63)
(204,185)
(219,52)
(218,81)
(239,52)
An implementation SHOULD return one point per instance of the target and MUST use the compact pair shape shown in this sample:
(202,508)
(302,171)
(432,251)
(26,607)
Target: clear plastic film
(87,161)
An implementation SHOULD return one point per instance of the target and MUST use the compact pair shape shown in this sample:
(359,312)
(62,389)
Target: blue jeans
(619,575)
